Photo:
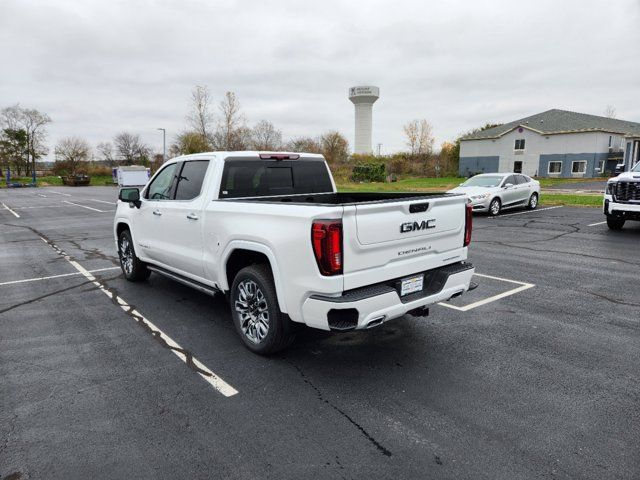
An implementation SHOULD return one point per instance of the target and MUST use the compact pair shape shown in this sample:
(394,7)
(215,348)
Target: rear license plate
(411,285)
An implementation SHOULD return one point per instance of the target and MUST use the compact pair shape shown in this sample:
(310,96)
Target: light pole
(164,144)
(379,146)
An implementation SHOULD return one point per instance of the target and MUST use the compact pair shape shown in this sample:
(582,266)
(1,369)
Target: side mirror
(130,195)
(508,185)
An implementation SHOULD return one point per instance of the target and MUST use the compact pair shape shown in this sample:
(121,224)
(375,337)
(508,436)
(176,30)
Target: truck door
(149,223)
(182,217)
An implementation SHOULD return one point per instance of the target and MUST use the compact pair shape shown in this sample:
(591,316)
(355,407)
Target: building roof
(557,121)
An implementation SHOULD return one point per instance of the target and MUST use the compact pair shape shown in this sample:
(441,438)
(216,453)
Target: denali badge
(414,226)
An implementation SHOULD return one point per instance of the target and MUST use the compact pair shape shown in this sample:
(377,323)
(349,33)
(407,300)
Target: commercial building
(555,143)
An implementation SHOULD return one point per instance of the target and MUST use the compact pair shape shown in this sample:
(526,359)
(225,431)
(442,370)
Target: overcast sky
(101,67)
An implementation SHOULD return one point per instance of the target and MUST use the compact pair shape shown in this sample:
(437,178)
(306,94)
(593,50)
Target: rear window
(190,179)
(257,178)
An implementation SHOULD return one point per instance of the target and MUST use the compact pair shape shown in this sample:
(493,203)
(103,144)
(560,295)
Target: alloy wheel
(251,306)
(126,255)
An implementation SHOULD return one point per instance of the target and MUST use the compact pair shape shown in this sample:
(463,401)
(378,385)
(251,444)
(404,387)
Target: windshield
(636,168)
(483,182)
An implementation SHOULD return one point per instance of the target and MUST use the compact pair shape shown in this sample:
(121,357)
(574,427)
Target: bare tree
(34,123)
(264,136)
(335,147)
(72,151)
(231,133)
(105,150)
(200,118)
(419,137)
(610,111)
(130,148)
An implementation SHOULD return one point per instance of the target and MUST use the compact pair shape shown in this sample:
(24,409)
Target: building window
(610,139)
(579,166)
(555,167)
(519,144)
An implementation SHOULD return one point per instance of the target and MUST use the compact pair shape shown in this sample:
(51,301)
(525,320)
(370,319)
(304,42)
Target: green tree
(13,150)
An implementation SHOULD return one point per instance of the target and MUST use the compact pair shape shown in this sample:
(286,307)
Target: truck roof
(245,155)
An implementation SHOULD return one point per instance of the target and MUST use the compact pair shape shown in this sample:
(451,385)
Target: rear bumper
(372,305)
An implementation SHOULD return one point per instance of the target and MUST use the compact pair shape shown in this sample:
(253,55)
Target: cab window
(160,187)
(189,183)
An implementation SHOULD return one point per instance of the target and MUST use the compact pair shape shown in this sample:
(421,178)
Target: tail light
(326,238)
(468,224)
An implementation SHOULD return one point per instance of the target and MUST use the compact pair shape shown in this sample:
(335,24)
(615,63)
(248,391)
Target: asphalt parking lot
(532,375)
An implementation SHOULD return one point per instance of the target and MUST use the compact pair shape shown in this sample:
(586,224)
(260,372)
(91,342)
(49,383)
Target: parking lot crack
(42,297)
(613,300)
(322,398)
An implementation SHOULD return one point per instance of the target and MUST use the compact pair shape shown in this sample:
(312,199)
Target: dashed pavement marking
(211,378)
(597,223)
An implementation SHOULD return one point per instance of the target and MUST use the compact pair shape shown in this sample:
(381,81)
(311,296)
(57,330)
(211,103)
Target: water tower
(363,98)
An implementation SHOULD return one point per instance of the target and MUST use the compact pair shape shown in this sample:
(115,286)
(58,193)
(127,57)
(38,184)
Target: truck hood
(626,176)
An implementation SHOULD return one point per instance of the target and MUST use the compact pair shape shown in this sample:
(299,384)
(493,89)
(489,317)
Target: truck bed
(343,198)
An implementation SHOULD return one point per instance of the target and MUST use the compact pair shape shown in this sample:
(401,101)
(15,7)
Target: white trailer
(133,176)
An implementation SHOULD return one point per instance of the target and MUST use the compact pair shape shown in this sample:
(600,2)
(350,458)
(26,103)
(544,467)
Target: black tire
(133,269)
(615,223)
(254,292)
(533,201)
(495,206)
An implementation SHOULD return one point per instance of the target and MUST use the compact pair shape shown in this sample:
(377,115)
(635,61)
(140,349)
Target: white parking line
(27,280)
(523,286)
(528,211)
(14,213)
(211,378)
(597,223)
(84,206)
(41,195)
(102,201)
(60,193)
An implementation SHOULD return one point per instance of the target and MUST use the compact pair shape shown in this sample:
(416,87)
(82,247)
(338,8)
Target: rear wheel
(494,207)
(615,223)
(533,201)
(133,268)
(263,328)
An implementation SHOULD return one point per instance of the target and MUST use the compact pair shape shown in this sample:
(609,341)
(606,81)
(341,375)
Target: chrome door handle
(157,212)
(192,216)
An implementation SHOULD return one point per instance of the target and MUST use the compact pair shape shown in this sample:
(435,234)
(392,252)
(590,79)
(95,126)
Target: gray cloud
(102,67)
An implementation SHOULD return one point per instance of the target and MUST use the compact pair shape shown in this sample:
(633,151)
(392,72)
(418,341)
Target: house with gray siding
(555,143)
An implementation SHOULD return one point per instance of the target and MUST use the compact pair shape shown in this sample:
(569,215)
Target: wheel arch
(242,254)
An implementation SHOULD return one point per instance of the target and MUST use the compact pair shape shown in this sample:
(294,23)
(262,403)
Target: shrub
(369,172)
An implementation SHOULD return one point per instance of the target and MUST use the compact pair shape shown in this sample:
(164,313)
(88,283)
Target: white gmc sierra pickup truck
(622,198)
(271,232)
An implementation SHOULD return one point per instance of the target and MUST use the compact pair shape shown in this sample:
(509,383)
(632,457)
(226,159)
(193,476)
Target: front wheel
(494,207)
(615,223)
(263,328)
(533,201)
(133,268)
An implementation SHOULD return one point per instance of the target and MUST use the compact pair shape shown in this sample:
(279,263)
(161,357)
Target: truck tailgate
(390,239)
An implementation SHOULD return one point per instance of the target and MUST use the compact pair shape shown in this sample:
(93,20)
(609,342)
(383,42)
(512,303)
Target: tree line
(209,127)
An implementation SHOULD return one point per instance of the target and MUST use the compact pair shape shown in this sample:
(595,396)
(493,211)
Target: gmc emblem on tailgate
(415,226)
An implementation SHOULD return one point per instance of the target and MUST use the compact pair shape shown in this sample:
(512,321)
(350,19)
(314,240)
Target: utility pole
(164,144)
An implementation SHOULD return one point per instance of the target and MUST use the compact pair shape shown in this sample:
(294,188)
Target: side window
(510,179)
(521,179)
(190,179)
(160,187)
